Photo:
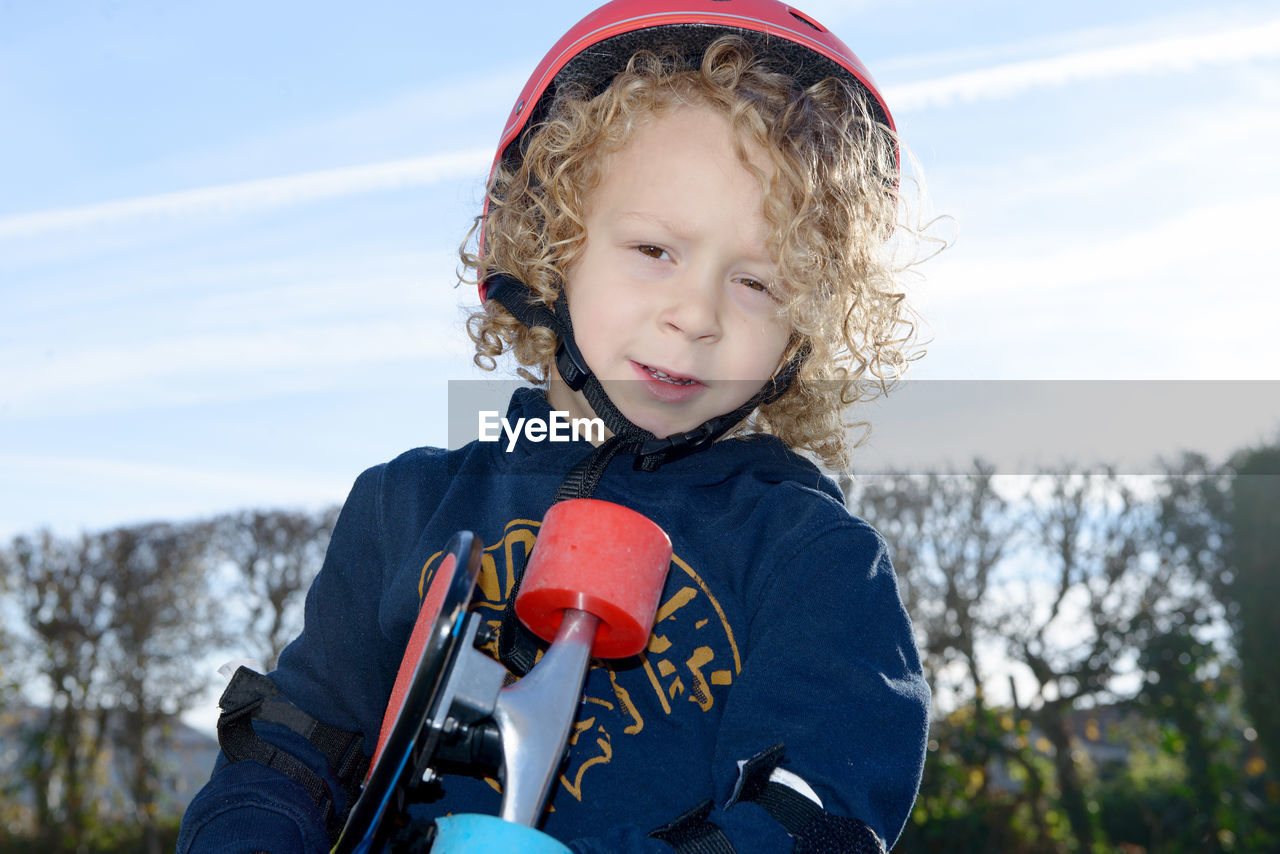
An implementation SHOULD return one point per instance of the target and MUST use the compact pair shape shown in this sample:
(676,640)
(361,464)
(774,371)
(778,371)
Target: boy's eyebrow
(655,219)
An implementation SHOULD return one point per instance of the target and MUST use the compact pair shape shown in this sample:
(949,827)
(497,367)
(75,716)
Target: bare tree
(114,622)
(164,618)
(11,659)
(953,536)
(1088,581)
(275,555)
(949,534)
(63,591)
(1101,586)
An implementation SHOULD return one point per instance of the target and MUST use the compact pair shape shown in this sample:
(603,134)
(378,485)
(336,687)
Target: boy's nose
(692,307)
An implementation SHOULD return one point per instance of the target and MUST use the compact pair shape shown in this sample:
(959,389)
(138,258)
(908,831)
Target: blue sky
(228,231)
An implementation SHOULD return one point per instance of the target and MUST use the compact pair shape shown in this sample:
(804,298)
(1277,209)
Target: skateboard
(591,588)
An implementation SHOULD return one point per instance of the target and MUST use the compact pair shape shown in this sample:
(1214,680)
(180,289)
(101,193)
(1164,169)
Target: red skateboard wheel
(601,558)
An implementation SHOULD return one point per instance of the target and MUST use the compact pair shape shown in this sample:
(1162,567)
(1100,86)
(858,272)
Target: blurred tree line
(1102,653)
(1134,613)
(107,639)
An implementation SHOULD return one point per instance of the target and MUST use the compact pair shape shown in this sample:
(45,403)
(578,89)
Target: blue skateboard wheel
(469,833)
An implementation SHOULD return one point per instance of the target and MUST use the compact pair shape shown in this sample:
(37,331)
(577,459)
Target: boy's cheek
(760,305)
(636,266)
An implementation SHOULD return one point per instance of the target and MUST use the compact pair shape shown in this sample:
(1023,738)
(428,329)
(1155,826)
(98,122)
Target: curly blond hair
(830,204)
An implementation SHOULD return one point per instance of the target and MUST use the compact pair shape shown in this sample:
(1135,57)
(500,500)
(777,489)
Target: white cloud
(155,474)
(256,195)
(95,492)
(1180,296)
(1158,56)
(196,367)
(1136,157)
(1178,243)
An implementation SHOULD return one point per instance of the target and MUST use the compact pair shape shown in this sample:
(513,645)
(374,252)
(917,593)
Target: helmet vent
(805,19)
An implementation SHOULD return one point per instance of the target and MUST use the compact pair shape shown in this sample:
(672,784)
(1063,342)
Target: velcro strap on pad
(691,833)
(251,696)
(814,830)
(835,834)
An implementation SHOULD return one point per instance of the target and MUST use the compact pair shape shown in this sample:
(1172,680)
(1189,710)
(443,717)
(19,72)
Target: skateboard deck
(408,741)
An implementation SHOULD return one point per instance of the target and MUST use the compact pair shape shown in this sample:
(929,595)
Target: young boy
(683,236)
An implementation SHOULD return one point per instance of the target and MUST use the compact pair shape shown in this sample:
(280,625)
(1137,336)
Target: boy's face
(670,298)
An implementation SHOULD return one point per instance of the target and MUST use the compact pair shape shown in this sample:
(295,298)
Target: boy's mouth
(663,376)
(665,386)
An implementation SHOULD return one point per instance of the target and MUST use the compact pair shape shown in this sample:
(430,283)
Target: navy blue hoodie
(780,622)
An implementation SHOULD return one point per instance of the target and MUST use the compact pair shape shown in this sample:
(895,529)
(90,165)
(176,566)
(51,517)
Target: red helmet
(599,46)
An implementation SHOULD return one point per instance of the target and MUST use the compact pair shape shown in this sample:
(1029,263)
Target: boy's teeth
(667,378)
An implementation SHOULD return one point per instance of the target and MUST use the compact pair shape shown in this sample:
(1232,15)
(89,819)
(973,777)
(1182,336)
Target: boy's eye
(756,285)
(651,251)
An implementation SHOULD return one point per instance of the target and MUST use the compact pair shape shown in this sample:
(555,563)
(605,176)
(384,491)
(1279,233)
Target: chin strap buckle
(677,445)
(569,362)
